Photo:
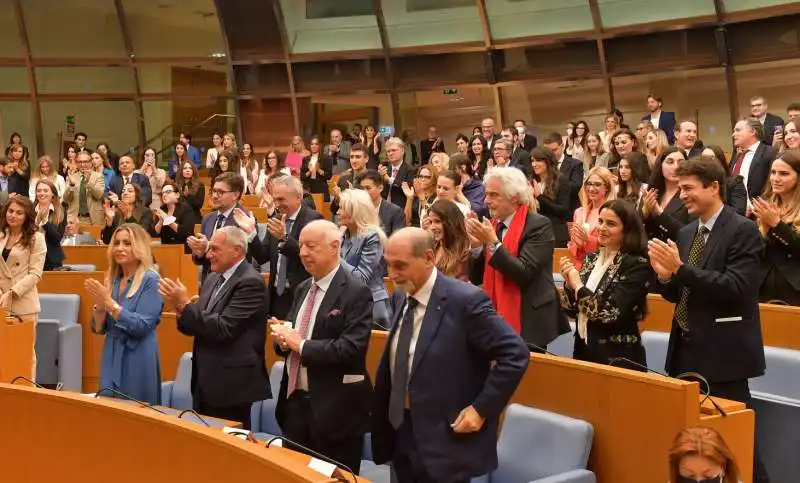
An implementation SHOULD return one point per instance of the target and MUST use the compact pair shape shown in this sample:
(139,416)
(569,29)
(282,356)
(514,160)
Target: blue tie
(280,280)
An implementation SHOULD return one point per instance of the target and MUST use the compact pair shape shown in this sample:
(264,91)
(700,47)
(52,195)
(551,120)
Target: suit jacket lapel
(714,238)
(685,245)
(335,289)
(430,324)
(3,265)
(295,231)
(206,288)
(228,286)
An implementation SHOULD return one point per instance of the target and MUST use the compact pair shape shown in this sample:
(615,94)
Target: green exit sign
(450,91)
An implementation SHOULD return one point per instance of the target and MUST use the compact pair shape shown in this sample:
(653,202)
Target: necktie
(280,280)
(127,180)
(215,290)
(220,222)
(305,319)
(682,309)
(397,398)
(737,168)
(501,229)
(83,198)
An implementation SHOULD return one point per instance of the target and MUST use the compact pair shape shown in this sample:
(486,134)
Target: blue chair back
(182,388)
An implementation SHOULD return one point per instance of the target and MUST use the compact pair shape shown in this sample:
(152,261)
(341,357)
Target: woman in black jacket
(174,222)
(552,192)
(192,191)
(662,209)
(51,217)
(129,209)
(316,170)
(608,297)
(778,216)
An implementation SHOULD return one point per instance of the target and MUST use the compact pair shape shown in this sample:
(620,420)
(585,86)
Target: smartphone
(778,129)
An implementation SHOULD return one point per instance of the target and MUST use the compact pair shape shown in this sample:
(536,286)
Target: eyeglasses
(422,176)
(219,192)
(595,185)
(167,192)
(500,149)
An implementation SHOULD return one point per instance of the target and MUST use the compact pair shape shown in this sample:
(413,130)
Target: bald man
(325,395)
(438,363)
(126,176)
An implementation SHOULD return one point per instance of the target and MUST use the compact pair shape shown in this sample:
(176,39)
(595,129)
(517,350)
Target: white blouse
(61,187)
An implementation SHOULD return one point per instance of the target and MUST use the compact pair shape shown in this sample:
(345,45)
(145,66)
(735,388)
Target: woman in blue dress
(127,309)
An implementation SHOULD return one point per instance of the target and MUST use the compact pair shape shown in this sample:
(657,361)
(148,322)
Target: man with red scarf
(513,259)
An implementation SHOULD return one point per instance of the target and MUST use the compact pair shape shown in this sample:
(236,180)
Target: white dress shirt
(655,119)
(747,161)
(226,275)
(422,297)
(322,288)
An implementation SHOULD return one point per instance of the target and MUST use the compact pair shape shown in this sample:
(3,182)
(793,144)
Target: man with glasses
(501,153)
(487,131)
(395,172)
(569,167)
(84,193)
(770,122)
(228,189)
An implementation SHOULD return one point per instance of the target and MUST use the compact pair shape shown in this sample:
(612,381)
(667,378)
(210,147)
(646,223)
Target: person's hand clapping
(198,243)
(767,213)
(277,227)
(244,221)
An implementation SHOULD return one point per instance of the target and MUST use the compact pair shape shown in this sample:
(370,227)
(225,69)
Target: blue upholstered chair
(262,413)
(538,446)
(564,343)
(59,342)
(655,347)
(177,394)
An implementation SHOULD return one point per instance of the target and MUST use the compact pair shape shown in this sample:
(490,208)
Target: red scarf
(503,292)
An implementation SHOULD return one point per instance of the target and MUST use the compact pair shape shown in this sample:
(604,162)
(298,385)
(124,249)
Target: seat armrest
(70,357)
(573,476)
(166,393)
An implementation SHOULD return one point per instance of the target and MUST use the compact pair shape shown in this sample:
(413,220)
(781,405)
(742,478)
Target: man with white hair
(227,323)
(326,394)
(395,173)
(513,259)
(281,247)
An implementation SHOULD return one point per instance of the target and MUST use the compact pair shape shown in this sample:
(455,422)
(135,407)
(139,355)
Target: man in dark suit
(191,151)
(227,323)
(395,173)
(712,276)
(487,131)
(326,395)
(686,139)
(391,216)
(433,144)
(225,195)
(754,158)
(449,368)
(513,259)
(664,120)
(520,158)
(127,176)
(528,141)
(281,247)
(570,167)
(769,122)
(349,179)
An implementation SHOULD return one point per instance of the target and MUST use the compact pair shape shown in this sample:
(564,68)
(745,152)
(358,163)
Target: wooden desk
(16,347)
(88,439)
(217,422)
(780,324)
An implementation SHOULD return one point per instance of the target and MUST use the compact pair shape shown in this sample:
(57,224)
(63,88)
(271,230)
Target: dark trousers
(279,305)
(298,426)
(682,361)
(740,391)
(239,413)
(407,463)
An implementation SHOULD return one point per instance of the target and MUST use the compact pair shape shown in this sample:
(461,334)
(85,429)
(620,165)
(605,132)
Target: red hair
(704,442)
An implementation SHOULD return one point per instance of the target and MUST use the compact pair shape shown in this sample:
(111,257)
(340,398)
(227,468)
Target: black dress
(613,311)
(140,216)
(556,209)
(780,266)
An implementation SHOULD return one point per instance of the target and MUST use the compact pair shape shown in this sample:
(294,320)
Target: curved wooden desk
(67,437)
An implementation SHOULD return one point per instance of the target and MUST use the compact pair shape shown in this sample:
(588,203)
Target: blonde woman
(155,175)
(598,188)
(611,125)
(362,249)
(46,170)
(655,142)
(248,168)
(440,162)
(778,216)
(127,309)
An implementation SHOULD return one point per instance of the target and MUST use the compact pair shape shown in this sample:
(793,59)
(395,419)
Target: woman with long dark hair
(420,196)
(174,220)
(478,155)
(778,215)
(128,209)
(622,142)
(462,145)
(445,221)
(551,191)
(248,168)
(51,218)
(189,186)
(608,296)
(316,170)
(632,174)
(662,209)
(735,190)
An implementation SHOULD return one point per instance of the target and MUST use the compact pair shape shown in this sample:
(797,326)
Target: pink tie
(294,359)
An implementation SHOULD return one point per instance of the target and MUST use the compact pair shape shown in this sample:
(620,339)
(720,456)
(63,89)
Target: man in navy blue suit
(663,120)
(449,355)
(126,176)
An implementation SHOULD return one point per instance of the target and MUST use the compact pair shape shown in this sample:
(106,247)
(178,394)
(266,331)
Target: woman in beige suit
(23,251)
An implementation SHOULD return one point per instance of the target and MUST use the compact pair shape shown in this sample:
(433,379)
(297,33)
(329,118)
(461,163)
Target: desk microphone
(202,420)
(686,376)
(539,349)
(316,455)
(27,380)
(129,398)
(381,327)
